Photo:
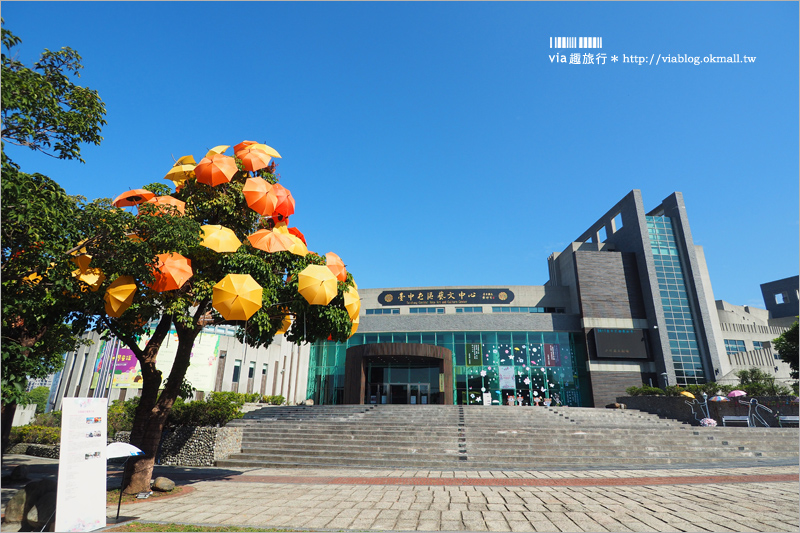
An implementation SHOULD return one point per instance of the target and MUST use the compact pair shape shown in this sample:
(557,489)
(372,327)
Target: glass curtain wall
(534,368)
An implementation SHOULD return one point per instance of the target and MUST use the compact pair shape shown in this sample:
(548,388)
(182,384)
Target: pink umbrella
(735,393)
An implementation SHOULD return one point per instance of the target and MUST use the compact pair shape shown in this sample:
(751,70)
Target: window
(264,369)
(734,346)
(616,224)
(251,371)
(237,368)
(782,298)
(469,309)
(427,310)
(601,234)
(757,345)
(559,310)
(394,311)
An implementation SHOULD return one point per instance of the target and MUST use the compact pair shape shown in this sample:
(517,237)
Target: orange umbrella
(269,241)
(119,296)
(253,159)
(352,302)
(219,238)
(242,145)
(237,297)
(161,201)
(216,169)
(317,284)
(284,202)
(297,233)
(335,263)
(256,193)
(132,197)
(354,329)
(171,272)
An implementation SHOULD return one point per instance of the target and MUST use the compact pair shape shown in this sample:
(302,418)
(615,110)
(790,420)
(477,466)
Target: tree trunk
(153,409)
(7,414)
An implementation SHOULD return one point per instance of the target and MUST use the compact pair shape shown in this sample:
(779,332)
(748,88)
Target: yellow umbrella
(317,284)
(297,247)
(119,296)
(93,277)
(217,150)
(82,261)
(182,170)
(237,297)
(352,303)
(687,394)
(219,238)
(270,150)
(286,323)
(354,329)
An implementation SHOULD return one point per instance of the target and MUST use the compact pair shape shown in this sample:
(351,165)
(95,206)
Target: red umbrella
(284,204)
(168,200)
(256,193)
(297,233)
(253,159)
(132,197)
(216,170)
(336,265)
(171,272)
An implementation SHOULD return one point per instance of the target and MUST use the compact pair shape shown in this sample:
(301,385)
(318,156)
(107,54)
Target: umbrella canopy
(317,284)
(352,302)
(237,297)
(687,394)
(217,150)
(297,233)
(119,296)
(93,277)
(242,145)
(270,241)
(253,159)
(284,202)
(256,193)
(219,238)
(297,247)
(162,201)
(735,393)
(82,261)
(268,149)
(132,197)
(335,263)
(182,170)
(171,272)
(354,328)
(718,399)
(216,169)
(122,449)
(286,323)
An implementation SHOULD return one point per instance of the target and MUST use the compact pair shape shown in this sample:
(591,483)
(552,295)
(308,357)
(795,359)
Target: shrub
(121,414)
(644,390)
(709,388)
(35,435)
(673,390)
(274,400)
(229,397)
(220,408)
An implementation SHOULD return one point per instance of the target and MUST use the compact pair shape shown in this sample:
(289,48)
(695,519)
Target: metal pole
(113,371)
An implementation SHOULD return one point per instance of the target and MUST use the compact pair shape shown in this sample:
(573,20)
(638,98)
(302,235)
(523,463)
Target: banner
(552,355)
(81,494)
(202,366)
(507,377)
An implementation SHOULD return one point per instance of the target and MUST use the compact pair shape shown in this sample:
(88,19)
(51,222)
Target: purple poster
(552,355)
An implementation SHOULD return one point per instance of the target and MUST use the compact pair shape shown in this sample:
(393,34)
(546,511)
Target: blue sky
(434,144)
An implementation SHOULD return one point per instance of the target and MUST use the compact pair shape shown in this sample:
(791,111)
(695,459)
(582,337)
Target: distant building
(781,297)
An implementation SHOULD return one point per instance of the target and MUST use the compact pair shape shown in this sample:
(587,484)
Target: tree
(41,109)
(123,244)
(786,347)
(39,396)
(756,382)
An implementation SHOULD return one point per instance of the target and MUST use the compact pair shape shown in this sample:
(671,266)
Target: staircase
(451,437)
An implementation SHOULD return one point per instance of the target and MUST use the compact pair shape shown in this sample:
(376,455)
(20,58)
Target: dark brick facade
(608,284)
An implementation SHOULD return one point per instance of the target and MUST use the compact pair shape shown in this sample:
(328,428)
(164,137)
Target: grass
(139,526)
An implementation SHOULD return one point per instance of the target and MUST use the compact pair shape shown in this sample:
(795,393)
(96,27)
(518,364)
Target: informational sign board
(487,398)
(507,377)
(81,496)
(552,355)
(202,369)
(620,343)
(474,352)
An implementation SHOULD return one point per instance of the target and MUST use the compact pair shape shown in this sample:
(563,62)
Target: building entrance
(400,393)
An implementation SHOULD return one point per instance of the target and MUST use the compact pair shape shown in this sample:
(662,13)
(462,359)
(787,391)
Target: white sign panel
(81,497)
(506,377)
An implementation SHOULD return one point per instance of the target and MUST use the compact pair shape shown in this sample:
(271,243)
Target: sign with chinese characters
(616,343)
(81,494)
(552,355)
(474,354)
(446,297)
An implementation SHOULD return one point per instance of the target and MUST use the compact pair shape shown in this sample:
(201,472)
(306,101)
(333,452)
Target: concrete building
(628,302)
